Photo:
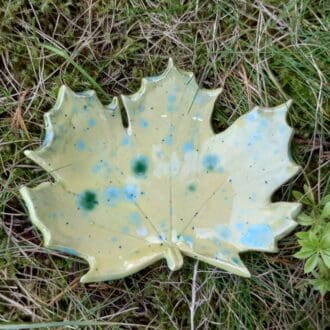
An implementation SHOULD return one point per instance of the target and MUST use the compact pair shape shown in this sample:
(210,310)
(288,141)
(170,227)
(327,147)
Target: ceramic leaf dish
(164,187)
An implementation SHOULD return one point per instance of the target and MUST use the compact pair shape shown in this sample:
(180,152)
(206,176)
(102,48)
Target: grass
(260,52)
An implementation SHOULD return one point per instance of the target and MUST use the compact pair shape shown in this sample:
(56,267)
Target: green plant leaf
(302,235)
(305,220)
(311,263)
(313,240)
(325,199)
(326,259)
(321,284)
(325,238)
(326,211)
(302,198)
(304,253)
(309,193)
(298,195)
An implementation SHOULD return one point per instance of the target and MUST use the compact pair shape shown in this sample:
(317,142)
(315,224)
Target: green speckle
(87,200)
(235,260)
(191,187)
(140,165)
(210,161)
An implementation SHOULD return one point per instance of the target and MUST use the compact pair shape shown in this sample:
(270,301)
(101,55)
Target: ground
(260,52)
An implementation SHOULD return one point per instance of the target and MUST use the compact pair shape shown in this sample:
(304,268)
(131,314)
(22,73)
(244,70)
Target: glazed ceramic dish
(164,187)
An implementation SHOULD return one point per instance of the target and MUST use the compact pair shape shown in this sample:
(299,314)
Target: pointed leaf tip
(170,63)
(288,103)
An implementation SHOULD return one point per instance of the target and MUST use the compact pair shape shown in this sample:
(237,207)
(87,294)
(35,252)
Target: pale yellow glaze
(166,185)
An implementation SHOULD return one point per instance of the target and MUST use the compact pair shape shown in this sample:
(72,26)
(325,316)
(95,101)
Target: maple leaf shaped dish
(164,187)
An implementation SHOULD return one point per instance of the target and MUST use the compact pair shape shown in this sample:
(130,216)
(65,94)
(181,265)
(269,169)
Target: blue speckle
(201,98)
(112,195)
(252,116)
(153,78)
(163,225)
(48,137)
(141,108)
(210,161)
(125,230)
(258,236)
(264,123)
(80,145)
(101,165)
(160,154)
(126,140)
(162,236)
(131,192)
(114,239)
(223,231)
(91,122)
(52,215)
(168,139)
(142,231)
(187,239)
(171,99)
(220,169)
(96,168)
(240,226)
(188,147)
(170,210)
(135,218)
(197,116)
(259,131)
(235,260)
(144,123)
(68,250)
